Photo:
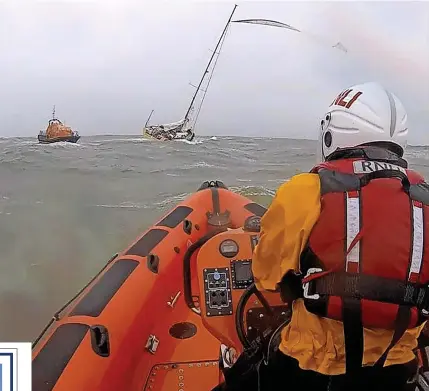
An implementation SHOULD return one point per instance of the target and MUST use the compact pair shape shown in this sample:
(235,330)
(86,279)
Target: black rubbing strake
(256,209)
(94,302)
(175,217)
(51,361)
(147,242)
(57,314)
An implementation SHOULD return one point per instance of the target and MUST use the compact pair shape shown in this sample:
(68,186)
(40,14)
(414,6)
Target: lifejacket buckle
(306,285)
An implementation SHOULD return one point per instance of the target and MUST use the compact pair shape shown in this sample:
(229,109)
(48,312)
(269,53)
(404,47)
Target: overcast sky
(106,64)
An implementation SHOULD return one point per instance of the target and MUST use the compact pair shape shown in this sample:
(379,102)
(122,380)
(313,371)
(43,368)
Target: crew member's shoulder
(415,176)
(305,182)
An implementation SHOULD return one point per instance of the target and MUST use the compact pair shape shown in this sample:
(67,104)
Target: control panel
(241,273)
(224,269)
(217,291)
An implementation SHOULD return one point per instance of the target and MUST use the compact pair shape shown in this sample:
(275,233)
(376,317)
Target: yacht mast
(208,65)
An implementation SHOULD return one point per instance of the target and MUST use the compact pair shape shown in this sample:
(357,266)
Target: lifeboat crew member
(353,236)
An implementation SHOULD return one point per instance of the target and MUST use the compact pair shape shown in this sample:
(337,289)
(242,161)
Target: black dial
(228,248)
(252,224)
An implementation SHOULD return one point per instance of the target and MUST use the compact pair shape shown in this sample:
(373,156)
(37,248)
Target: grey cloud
(106,65)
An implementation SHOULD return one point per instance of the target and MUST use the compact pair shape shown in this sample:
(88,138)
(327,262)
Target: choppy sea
(65,209)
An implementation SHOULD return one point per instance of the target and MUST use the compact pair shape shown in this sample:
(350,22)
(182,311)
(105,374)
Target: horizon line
(205,136)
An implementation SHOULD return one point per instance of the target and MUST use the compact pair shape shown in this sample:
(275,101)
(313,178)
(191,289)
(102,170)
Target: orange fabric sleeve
(285,228)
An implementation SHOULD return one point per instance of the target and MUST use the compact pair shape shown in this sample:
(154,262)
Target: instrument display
(241,273)
(252,224)
(229,248)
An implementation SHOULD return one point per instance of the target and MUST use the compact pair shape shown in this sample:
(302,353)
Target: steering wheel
(239,314)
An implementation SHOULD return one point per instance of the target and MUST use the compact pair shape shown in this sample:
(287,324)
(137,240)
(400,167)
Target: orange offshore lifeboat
(57,132)
(172,312)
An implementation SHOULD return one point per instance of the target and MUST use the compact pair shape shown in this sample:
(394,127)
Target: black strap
(364,286)
(401,325)
(354,338)
(369,152)
(354,287)
(365,179)
(353,334)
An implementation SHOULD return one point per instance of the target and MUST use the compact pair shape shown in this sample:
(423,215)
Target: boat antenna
(148,118)
(53,113)
(208,65)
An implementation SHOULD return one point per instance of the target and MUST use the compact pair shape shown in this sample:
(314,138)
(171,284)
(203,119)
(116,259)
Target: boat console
(228,311)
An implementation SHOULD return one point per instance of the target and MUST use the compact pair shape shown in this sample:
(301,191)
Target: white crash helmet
(362,114)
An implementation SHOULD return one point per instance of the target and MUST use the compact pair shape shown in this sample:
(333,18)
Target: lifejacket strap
(401,325)
(353,334)
(364,286)
(365,179)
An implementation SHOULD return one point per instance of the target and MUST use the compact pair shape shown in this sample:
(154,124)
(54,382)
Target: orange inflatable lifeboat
(171,312)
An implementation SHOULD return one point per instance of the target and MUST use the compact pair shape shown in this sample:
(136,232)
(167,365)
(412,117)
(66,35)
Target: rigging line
(208,65)
(211,75)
